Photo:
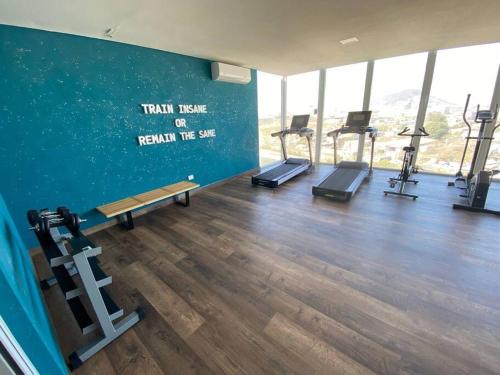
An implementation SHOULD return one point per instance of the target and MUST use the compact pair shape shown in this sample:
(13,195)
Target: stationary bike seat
(408,148)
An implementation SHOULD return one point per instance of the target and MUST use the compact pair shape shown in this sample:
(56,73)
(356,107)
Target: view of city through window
(344,92)
(396,89)
(302,99)
(395,98)
(269,101)
(458,72)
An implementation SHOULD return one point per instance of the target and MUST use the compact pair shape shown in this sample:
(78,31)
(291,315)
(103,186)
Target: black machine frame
(475,186)
(352,172)
(289,167)
(407,168)
(72,254)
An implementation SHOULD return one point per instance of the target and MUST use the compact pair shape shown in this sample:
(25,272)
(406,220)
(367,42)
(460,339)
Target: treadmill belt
(278,171)
(341,179)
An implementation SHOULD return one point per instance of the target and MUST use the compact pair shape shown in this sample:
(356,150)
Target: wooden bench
(123,208)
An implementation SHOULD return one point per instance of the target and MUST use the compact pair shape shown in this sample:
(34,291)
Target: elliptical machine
(407,168)
(476,186)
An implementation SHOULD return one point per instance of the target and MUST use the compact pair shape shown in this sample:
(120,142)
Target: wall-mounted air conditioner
(230,73)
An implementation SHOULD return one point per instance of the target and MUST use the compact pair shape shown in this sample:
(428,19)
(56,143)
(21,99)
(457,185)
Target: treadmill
(347,176)
(290,167)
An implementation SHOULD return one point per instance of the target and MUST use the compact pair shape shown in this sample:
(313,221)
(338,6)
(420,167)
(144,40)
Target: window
(458,72)
(302,98)
(269,100)
(344,91)
(396,89)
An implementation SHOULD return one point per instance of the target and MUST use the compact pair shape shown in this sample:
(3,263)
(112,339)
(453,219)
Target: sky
(458,71)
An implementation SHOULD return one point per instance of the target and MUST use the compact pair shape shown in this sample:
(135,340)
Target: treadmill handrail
(333,133)
(305,132)
(301,132)
(345,130)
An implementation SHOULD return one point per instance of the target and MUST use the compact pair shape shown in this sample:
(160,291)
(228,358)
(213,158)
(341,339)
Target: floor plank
(256,281)
(129,356)
(323,358)
(183,319)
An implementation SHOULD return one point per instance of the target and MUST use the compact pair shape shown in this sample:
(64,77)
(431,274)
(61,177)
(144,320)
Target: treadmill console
(357,122)
(299,122)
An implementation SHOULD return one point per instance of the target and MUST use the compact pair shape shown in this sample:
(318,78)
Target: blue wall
(70,113)
(21,304)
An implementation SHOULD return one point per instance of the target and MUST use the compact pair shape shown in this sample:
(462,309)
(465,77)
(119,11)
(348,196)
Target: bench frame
(127,221)
(122,209)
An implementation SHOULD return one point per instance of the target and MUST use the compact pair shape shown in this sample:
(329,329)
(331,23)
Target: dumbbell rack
(80,258)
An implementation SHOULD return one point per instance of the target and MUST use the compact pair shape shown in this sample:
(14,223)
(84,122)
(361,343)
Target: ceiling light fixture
(349,41)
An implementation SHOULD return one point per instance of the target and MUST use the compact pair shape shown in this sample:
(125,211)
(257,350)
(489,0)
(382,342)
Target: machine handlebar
(481,115)
(464,115)
(349,130)
(333,133)
(303,132)
(422,132)
(276,134)
(404,131)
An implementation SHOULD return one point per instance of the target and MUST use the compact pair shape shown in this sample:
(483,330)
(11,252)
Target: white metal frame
(483,150)
(320,115)
(424,101)
(370,66)
(284,89)
(421,114)
(15,350)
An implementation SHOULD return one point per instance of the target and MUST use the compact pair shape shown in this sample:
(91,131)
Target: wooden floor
(253,281)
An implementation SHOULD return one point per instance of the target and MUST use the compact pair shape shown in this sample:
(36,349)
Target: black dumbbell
(62,211)
(33,216)
(73,222)
(42,225)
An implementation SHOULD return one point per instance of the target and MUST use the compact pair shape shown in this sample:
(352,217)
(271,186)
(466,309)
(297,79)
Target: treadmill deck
(281,173)
(343,182)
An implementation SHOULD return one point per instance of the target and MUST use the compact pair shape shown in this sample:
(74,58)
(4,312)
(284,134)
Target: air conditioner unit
(230,73)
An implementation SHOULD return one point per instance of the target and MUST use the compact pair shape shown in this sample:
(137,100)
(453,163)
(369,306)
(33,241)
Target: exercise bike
(476,185)
(407,168)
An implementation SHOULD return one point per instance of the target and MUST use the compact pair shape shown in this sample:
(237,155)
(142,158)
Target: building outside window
(302,98)
(395,97)
(269,101)
(344,93)
(458,72)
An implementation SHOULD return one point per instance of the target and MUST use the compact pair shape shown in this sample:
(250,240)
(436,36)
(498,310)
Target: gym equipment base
(344,181)
(77,358)
(458,206)
(386,192)
(393,181)
(274,177)
(80,258)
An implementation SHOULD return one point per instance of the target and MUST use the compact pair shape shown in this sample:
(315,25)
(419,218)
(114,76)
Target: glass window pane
(302,98)
(345,86)
(269,100)
(458,72)
(396,89)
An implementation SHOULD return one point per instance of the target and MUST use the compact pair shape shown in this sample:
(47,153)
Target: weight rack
(79,258)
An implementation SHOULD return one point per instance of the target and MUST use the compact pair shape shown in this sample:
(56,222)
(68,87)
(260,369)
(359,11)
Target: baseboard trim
(108,224)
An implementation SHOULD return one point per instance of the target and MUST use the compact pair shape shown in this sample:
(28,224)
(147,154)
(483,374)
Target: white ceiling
(277,36)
